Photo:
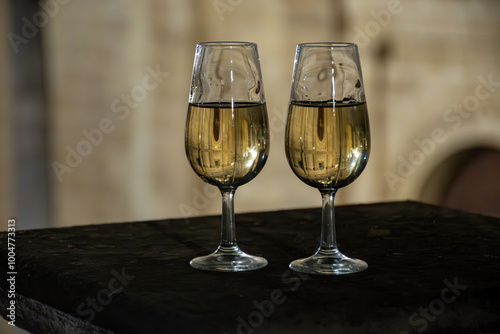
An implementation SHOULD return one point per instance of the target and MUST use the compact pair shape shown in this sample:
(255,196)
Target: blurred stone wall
(435,67)
(118,80)
(101,57)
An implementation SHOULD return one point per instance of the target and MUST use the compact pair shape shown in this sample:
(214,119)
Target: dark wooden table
(431,270)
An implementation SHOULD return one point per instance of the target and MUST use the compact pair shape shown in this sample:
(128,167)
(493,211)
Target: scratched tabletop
(431,270)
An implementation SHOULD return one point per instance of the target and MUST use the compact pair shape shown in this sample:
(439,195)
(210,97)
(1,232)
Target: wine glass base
(228,260)
(328,264)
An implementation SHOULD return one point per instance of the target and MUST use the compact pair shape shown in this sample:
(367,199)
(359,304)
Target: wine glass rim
(327,44)
(227,43)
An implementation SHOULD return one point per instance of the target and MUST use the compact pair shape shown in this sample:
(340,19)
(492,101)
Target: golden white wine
(327,147)
(227,144)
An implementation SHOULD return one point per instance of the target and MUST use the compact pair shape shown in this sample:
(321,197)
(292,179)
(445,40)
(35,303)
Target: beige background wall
(419,59)
(140,170)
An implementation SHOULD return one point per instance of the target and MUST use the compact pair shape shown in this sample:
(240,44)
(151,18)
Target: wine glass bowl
(236,147)
(327,140)
(227,136)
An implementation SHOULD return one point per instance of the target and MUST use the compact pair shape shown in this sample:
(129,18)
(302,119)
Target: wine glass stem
(228,227)
(328,244)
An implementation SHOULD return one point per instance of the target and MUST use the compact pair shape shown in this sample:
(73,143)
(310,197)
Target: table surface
(431,270)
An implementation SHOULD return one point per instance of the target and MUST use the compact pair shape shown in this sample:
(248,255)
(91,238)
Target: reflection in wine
(227,144)
(327,146)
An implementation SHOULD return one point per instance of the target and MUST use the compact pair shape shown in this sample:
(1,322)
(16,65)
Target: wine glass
(327,140)
(227,136)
